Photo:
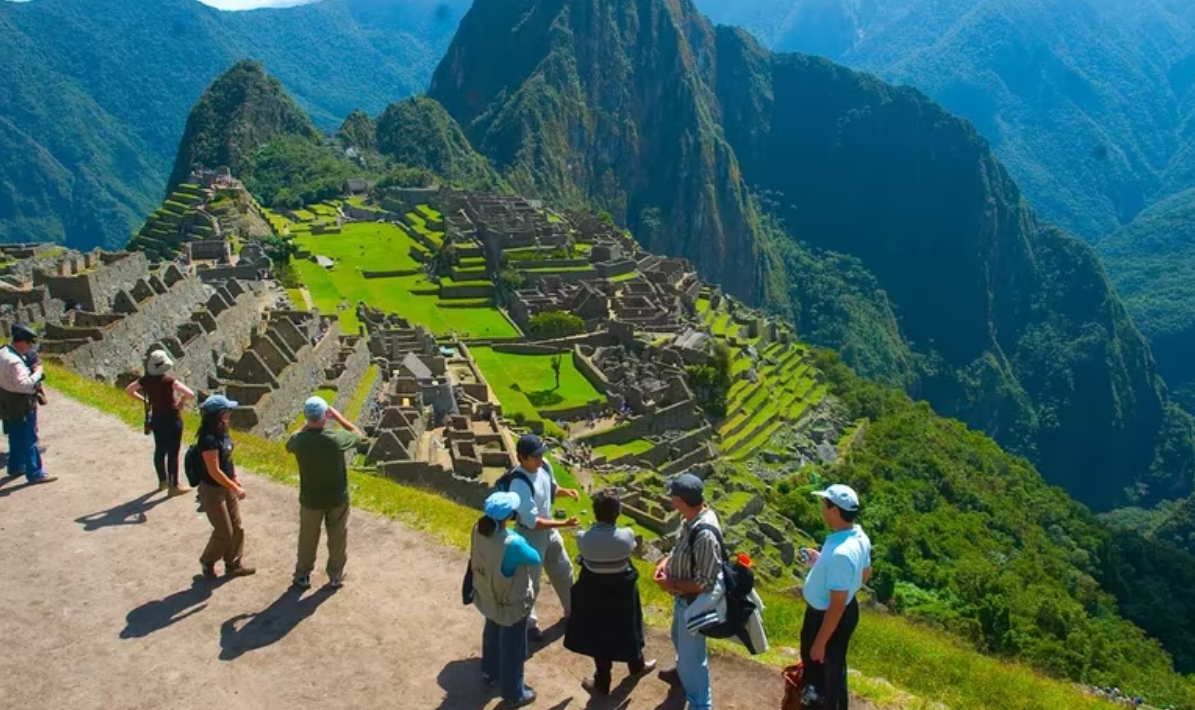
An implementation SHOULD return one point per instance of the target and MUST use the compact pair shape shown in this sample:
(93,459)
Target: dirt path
(100,607)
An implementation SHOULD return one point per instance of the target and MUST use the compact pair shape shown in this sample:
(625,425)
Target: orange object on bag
(744,559)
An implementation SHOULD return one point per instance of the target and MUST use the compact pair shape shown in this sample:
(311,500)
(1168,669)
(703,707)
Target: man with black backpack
(689,572)
(533,481)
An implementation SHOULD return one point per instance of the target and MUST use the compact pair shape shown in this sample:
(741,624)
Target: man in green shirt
(323,488)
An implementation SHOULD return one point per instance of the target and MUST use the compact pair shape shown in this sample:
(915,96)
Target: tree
(711,381)
(556,369)
(556,324)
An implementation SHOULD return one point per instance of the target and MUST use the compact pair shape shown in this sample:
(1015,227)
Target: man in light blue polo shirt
(838,572)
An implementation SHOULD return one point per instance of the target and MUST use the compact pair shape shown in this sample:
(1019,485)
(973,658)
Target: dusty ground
(100,605)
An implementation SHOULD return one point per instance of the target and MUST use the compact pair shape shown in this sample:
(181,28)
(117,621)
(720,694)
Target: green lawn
(629,276)
(526,384)
(384,247)
(431,214)
(615,451)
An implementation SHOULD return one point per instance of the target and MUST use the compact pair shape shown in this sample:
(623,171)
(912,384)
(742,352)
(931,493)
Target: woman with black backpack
(164,397)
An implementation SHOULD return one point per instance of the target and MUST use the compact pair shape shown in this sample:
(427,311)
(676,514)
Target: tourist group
(515,540)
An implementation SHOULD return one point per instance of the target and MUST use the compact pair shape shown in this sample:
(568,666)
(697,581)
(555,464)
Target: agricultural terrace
(785,389)
(379,246)
(526,384)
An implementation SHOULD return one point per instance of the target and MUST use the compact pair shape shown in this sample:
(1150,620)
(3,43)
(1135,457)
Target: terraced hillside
(782,390)
(184,216)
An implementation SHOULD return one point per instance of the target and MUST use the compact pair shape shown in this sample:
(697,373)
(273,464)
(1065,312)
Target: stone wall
(467,491)
(97,289)
(354,367)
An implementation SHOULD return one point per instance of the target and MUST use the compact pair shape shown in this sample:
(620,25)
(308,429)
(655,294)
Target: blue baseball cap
(218,403)
(501,505)
(315,409)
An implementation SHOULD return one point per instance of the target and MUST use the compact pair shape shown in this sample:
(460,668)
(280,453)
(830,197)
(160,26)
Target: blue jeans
(23,456)
(692,661)
(503,653)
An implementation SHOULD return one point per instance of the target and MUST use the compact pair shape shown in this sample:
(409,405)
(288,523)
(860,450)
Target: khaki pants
(224,513)
(337,521)
(550,546)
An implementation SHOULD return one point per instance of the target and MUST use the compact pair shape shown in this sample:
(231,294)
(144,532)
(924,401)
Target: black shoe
(647,668)
(489,681)
(534,635)
(670,676)
(590,685)
(528,698)
(209,571)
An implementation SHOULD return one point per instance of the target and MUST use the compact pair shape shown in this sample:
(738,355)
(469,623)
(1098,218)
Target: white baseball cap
(842,496)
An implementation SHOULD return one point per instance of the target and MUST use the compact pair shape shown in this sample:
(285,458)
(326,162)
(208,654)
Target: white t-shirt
(536,504)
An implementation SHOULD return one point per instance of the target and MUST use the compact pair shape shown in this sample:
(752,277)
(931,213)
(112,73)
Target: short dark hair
(847,515)
(606,506)
(487,526)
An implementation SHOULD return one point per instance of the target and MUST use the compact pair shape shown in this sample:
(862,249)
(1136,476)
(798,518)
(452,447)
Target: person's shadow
(271,624)
(130,513)
(160,613)
(463,689)
(552,634)
(620,696)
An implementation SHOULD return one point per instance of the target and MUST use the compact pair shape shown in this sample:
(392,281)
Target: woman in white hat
(164,397)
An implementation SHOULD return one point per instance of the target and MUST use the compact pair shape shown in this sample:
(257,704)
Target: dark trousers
(605,667)
(23,457)
(503,653)
(829,676)
(168,439)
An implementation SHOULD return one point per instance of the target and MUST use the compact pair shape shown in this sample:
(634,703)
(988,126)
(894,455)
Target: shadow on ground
(271,624)
(130,513)
(160,613)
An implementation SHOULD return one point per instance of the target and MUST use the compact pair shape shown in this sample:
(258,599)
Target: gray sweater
(606,549)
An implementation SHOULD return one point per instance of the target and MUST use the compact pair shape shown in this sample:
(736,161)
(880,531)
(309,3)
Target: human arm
(867,575)
(529,515)
(134,391)
(518,554)
(18,377)
(211,459)
(829,624)
(337,417)
(185,394)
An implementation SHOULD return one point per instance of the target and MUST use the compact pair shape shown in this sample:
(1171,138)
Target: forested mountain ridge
(1088,102)
(96,92)
(649,111)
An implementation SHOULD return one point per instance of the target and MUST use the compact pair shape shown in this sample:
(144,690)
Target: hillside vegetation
(96,92)
(646,110)
(1087,102)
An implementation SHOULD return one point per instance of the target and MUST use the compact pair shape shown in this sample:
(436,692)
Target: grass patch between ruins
(615,451)
(920,660)
(526,384)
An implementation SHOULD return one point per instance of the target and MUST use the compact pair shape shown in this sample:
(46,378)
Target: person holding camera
(20,385)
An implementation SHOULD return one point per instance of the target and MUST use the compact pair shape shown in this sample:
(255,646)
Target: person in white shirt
(19,385)
(837,574)
(537,525)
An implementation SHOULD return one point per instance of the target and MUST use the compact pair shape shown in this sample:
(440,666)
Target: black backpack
(193,465)
(739,582)
(503,482)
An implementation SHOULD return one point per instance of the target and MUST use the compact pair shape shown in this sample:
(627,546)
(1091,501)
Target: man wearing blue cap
(536,487)
(838,572)
(323,488)
(19,386)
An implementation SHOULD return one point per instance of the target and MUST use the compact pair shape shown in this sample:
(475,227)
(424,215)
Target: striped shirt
(701,562)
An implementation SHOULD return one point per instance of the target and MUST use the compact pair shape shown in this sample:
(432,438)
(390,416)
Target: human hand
(817,654)
(814,556)
(569,493)
(572,522)
(240,492)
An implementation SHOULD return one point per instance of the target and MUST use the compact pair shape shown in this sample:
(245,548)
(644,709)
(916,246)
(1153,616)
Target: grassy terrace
(526,385)
(615,451)
(378,246)
(930,664)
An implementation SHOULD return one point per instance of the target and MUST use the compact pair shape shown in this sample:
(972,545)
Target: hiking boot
(178,490)
(303,582)
(43,479)
(240,571)
(209,571)
(162,486)
(590,685)
(670,675)
(534,635)
(528,698)
(338,581)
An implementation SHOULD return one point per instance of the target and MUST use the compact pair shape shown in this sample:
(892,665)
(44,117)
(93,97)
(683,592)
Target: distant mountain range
(1088,102)
(96,92)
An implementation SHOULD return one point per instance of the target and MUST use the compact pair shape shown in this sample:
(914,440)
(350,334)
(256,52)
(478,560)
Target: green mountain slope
(96,92)
(418,132)
(1087,102)
(1152,263)
(649,111)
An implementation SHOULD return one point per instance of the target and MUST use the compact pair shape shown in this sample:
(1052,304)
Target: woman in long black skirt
(606,623)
